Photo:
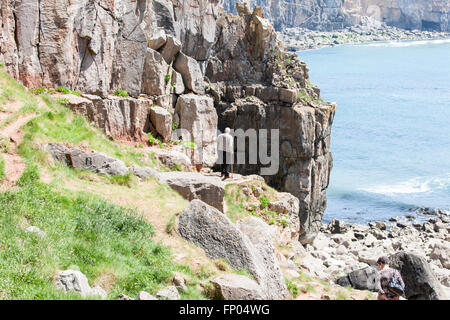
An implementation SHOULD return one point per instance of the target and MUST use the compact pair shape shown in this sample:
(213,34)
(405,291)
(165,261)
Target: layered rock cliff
(328,15)
(206,68)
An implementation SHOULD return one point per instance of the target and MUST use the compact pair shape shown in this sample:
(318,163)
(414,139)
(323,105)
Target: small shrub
(167,77)
(63,90)
(38,91)
(152,139)
(175,126)
(264,201)
(4,144)
(188,144)
(76,93)
(292,287)
(2,64)
(121,93)
(123,180)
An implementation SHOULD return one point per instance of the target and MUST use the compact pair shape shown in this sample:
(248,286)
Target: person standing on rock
(225,150)
(385,280)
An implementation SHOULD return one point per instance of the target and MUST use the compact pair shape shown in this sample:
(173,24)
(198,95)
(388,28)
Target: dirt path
(14,165)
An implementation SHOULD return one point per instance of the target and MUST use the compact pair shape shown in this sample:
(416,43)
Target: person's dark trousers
(226,163)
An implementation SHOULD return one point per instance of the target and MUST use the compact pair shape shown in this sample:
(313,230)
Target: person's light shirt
(225,142)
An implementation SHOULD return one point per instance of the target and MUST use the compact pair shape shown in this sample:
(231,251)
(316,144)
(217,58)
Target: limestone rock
(170,49)
(35,230)
(179,282)
(97,162)
(236,287)
(73,280)
(420,283)
(191,73)
(169,293)
(211,230)
(363,279)
(198,117)
(441,252)
(192,185)
(147,296)
(172,157)
(162,122)
(157,39)
(154,74)
(143,172)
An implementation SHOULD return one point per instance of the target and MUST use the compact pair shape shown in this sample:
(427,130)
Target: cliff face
(207,68)
(328,15)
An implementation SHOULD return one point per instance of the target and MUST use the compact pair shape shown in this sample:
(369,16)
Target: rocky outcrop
(236,287)
(211,230)
(207,68)
(192,185)
(420,283)
(73,280)
(120,118)
(333,14)
(97,162)
(197,115)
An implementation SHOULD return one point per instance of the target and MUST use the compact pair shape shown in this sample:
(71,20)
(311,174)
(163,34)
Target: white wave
(416,185)
(407,43)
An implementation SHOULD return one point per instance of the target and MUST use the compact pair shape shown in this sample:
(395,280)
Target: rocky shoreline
(349,251)
(298,39)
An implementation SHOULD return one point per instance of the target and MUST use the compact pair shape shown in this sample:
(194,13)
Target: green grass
(83,232)
(121,93)
(292,288)
(2,169)
(128,180)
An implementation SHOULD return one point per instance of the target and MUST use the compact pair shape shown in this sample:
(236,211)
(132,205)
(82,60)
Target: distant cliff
(328,15)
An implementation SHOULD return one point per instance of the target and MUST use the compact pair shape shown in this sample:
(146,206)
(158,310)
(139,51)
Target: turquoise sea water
(391,134)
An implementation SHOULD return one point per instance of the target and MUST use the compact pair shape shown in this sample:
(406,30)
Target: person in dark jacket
(386,273)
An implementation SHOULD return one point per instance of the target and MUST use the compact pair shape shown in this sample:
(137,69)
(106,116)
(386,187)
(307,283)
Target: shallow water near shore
(391,134)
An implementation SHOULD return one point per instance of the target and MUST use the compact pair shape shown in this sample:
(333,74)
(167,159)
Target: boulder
(211,230)
(146,296)
(337,226)
(236,287)
(73,280)
(172,158)
(193,185)
(35,230)
(120,118)
(169,293)
(154,80)
(179,282)
(157,40)
(97,162)
(420,282)
(441,252)
(161,120)
(170,49)
(143,172)
(177,83)
(288,95)
(362,279)
(198,123)
(191,73)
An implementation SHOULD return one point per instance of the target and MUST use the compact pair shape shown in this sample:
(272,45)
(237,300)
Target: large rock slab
(120,118)
(192,185)
(154,75)
(161,120)
(362,279)
(236,287)
(97,162)
(420,282)
(191,73)
(197,115)
(73,280)
(211,230)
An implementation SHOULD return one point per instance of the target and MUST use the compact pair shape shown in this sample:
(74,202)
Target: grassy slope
(113,245)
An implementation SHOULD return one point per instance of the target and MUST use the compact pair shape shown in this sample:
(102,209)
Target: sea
(391,134)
